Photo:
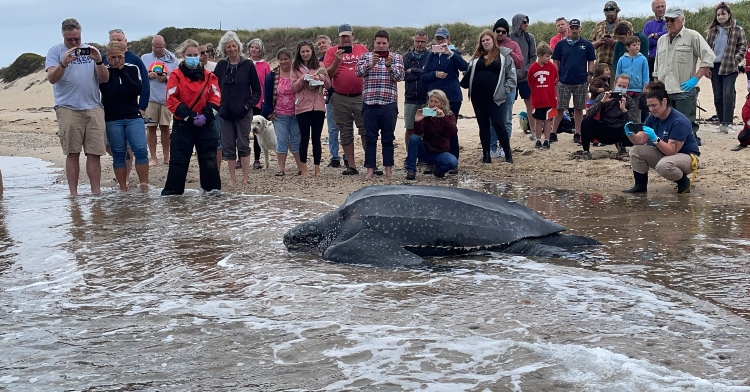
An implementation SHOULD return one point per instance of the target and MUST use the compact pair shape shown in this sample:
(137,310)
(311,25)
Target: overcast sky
(34,25)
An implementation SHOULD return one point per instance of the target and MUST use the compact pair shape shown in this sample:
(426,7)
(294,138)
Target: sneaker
(532,137)
(738,148)
(729,129)
(553,137)
(377,171)
(238,165)
(586,156)
(346,162)
(538,144)
(577,138)
(334,163)
(720,129)
(428,169)
(438,174)
(411,176)
(350,171)
(545,145)
(257,165)
(495,153)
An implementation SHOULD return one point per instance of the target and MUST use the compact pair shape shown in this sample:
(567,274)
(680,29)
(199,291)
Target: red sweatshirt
(542,82)
(436,132)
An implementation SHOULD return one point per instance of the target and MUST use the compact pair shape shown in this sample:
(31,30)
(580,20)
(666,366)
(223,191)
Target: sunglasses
(116,31)
(204,52)
(501,31)
(525,22)
(670,20)
(610,9)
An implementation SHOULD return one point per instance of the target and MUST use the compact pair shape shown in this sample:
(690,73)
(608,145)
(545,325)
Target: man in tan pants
(667,143)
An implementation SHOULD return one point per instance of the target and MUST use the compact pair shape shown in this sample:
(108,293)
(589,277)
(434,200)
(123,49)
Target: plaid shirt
(604,53)
(380,83)
(735,50)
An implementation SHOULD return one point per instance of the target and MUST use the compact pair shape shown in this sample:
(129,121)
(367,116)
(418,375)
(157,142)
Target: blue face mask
(192,62)
(620,90)
(451,47)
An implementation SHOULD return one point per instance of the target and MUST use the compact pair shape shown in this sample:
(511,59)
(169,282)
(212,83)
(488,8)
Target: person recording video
(605,118)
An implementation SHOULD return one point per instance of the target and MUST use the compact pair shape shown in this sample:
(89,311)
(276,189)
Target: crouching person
(667,144)
(434,127)
(192,96)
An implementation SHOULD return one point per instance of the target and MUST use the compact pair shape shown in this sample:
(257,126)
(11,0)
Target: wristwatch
(98,62)
(657,141)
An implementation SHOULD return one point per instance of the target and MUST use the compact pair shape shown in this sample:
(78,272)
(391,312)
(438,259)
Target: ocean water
(132,291)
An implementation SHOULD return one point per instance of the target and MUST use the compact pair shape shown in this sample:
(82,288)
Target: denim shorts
(287,133)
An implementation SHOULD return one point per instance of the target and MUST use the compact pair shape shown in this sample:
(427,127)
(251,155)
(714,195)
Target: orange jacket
(182,92)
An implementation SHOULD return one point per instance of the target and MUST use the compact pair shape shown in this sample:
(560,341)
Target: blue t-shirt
(78,89)
(675,127)
(574,60)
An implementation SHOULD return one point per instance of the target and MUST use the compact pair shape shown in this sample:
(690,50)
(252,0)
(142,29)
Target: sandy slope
(27,128)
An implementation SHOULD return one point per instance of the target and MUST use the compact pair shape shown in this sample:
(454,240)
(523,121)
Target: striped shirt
(380,83)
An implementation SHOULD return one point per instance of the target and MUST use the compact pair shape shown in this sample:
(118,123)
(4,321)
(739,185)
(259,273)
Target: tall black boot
(641,183)
(683,184)
(486,157)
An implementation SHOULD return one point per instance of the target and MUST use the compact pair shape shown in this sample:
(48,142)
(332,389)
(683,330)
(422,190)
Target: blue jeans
(379,119)
(333,134)
(509,101)
(120,133)
(443,161)
(287,133)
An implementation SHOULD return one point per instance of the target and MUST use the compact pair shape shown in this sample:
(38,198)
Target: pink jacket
(515,52)
(307,99)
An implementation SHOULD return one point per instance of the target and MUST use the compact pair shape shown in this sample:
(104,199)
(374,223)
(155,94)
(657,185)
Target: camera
(346,49)
(429,112)
(437,48)
(82,52)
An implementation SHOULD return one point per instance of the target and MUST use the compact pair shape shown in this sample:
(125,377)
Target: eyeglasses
(116,31)
(420,42)
(157,47)
(204,52)
(73,39)
(501,31)
(440,38)
(670,20)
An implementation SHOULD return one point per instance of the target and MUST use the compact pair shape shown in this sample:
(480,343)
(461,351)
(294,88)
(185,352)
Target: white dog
(265,133)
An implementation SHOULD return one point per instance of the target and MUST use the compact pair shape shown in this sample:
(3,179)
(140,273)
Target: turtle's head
(305,237)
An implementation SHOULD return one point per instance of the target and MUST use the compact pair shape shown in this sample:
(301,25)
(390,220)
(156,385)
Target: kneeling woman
(432,135)
(124,123)
(192,96)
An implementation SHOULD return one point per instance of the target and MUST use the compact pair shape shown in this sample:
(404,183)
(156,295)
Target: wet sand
(28,126)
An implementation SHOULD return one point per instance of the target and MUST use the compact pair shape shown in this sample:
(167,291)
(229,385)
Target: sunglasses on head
(116,31)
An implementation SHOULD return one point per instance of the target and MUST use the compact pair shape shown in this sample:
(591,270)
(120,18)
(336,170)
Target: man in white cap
(676,55)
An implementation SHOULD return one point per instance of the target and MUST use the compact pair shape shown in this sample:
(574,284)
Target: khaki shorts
(82,129)
(410,110)
(158,113)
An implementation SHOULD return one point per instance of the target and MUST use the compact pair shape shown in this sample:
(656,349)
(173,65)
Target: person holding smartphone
(434,126)
(381,70)
(605,118)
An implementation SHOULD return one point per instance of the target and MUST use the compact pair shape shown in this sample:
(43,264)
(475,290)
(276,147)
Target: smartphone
(615,96)
(429,112)
(346,49)
(635,128)
(160,74)
(148,120)
(607,36)
(437,48)
(381,53)
(83,51)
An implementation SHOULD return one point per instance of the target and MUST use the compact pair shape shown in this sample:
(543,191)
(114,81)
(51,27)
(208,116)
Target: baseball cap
(442,32)
(674,12)
(575,22)
(611,6)
(345,29)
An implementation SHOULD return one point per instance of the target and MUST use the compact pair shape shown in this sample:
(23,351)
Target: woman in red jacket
(192,96)
(433,130)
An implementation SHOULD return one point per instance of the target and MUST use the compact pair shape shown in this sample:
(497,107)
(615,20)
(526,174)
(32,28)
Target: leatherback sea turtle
(398,225)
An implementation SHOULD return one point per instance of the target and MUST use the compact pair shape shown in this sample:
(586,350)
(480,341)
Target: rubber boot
(683,184)
(641,183)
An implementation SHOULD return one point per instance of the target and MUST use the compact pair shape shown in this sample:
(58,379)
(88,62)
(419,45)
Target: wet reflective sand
(136,291)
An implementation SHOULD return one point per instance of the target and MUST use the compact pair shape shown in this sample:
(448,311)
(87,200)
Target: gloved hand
(650,132)
(199,121)
(690,84)
(627,131)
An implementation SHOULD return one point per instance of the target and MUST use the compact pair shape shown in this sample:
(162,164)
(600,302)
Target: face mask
(722,18)
(451,47)
(192,62)
(620,90)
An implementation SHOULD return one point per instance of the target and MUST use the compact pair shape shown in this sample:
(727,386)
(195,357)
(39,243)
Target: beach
(28,129)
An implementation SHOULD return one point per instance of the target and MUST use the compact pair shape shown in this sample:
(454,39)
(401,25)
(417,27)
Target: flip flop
(279,174)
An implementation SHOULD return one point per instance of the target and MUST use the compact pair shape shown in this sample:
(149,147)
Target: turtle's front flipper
(370,248)
(553,245)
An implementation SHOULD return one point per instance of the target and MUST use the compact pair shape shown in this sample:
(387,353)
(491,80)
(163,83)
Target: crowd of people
(634,88)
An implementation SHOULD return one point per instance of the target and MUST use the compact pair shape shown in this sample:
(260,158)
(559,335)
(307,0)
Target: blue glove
(650,132)
(627,131)
(689,85)
(199,121)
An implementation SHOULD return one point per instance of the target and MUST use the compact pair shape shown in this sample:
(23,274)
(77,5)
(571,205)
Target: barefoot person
(240,92)
(160,63)
(193,95)
(75,76)
(124,123)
